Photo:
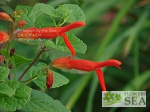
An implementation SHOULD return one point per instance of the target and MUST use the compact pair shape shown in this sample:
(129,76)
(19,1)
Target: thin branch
(37,57)
(29,80)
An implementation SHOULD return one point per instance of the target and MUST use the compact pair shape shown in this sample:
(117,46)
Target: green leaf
(43,21)
(43,8)
(40,77)
(71,13)
(59,80)
(37,71)
(6,89)
(41,15)
(21,94)
(3,73)
(54,54)
(41,102)
(78,44)
(16,59)
(5,7)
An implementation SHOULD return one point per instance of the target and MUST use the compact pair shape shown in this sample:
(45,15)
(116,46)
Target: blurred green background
(118,29)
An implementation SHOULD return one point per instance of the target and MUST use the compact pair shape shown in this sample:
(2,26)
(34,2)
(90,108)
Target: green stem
(71,102)
(36,58)
(29,80)
(54,21)
(14,72)
(9,42)
(91,94)
(136,58)
(7,54)
(61,23)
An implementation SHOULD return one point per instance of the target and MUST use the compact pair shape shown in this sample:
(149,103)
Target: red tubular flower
(50,33)
(4,16)
(1,58)
(86,65)
(3,37)
(49,79)
(21,23)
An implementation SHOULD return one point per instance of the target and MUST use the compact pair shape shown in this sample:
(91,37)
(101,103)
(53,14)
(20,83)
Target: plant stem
(36,58)
(114,27)
(29,80)
(9,42)
(54,21)
(73,99)
(7,54)
(14,72)
(136,58)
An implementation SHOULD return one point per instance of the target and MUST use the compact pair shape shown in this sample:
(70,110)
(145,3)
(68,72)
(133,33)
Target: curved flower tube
(50,33)
(86,65)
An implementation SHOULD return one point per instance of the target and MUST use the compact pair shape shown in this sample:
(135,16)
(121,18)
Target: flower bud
(9,76)
(49,79)
(4,16)
(3,37)
(21,23)
(10,66)
(12,52)
(17,13)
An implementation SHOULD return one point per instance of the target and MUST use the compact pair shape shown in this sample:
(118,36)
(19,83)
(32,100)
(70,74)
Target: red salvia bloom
(3,37)
(86,65)
(49,79)
(50,33)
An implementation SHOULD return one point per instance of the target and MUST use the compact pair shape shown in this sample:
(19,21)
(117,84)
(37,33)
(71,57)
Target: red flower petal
(72,26)
(110,62)
(101,79)
(84,65)
(68,44)
(62,63)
